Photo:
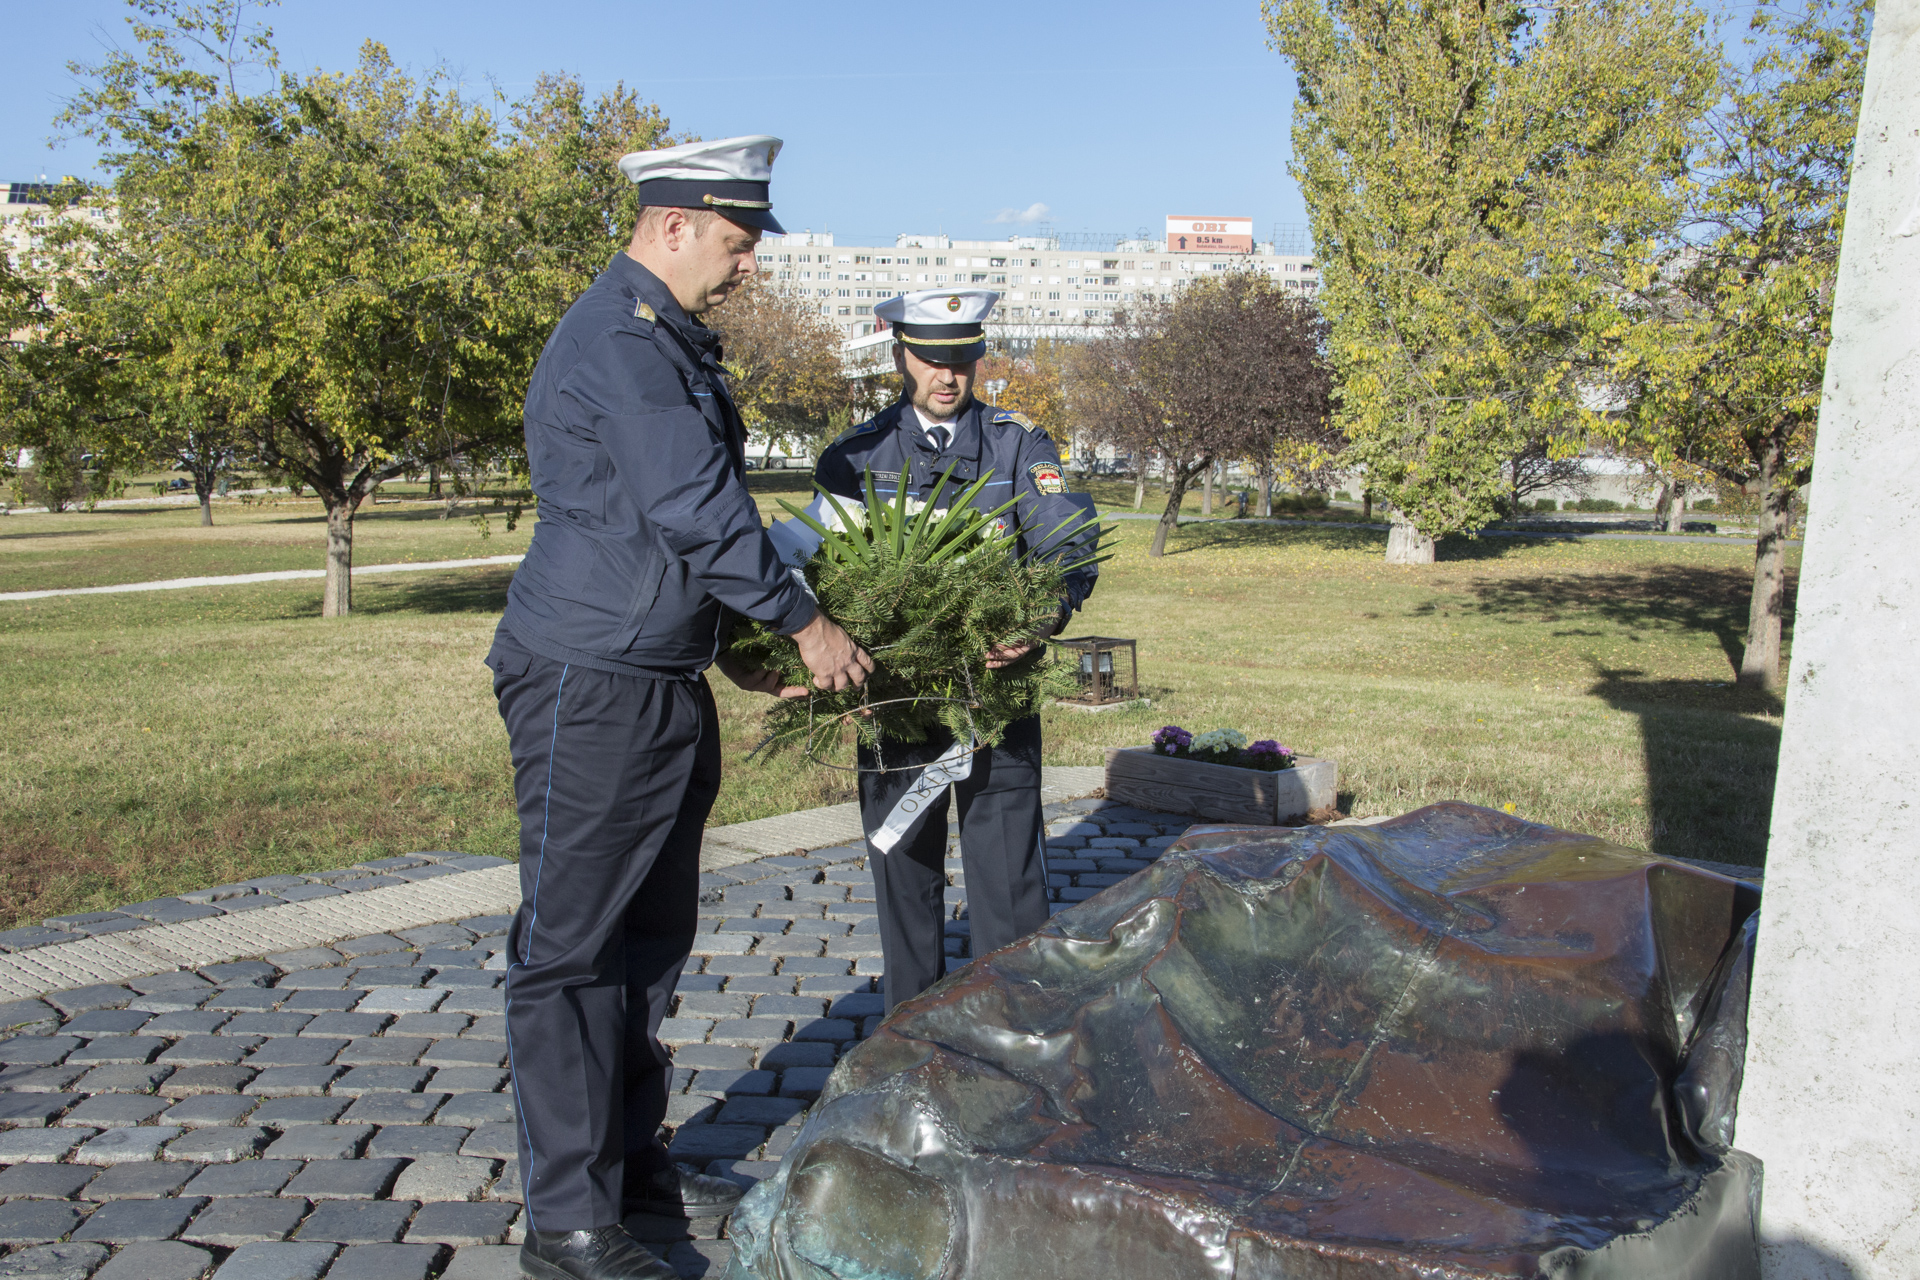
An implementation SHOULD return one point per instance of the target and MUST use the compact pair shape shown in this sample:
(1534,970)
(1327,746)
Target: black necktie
(939,436)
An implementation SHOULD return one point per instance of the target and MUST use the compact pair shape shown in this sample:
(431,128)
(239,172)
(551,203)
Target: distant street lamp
(994,387)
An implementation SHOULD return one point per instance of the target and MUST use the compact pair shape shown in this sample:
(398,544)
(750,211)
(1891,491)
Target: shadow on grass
(1710,763)
(1220,534)
(470,591)
(1693,598)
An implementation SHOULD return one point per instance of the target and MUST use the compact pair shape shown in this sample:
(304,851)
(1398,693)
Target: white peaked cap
(744,159)
(938,307)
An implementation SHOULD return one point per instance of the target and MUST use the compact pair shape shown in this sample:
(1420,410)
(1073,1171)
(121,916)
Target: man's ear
(899,359)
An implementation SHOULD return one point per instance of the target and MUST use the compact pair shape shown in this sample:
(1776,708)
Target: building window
(940,262)
(940,278)
(979,277)
(1053,297)
(998,280)
(1109,280)
(846,311)
(844,293)
(1110,264)
(863,311)
(863,257)
(996,262)
(863,293)
(918,262)
(764,257)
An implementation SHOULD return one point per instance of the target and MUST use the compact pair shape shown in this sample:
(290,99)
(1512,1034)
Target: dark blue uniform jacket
(1021,457)
(647,535)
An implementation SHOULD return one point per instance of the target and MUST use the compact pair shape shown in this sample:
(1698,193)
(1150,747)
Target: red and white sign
(1187,233)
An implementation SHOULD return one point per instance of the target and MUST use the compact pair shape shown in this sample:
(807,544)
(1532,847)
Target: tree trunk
(433,479)
(1366,504)
(206,510)
(337,599)
(1677,509)
(1760,664)
(1206,492)
(1266,494)
(1406,544)
(1140,485)
(1177,482)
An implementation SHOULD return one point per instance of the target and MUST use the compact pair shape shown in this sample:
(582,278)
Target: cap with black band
(941,326)
(730,176)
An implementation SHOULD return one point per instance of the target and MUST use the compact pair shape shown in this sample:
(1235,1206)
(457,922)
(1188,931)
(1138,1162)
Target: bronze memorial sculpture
(1451,1045)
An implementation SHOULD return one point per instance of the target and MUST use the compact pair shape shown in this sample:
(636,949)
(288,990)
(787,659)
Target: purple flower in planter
(1267,751)
(1171,740)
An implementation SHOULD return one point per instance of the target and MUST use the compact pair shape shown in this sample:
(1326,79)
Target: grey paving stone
(486,926)
(779,1141)
(833,1030)
(474,1109)
(190,1082)
(434,1178)
(209,1109)
(484,1262)
(491,1027)
(40,1079)
(723,1083)
(477,1002)
(320,1142)
(116,1049)
(707,1056)
(247,972)
(700,1143)
(467,1079)
(111,922)
(171,911)
(37,1051)
(455,1223)
(237,1220)
(364,1080)
(125,1221)
(347,1025)
(157,1260)
(113,1110)
(858,1005)
(414,1141)
(38,1221)
(209,1050)
(145,1181)
(189,1022)
(330,979)
(473,978)
(217,893)
(318,1002)
(77,1000)
(295,1051)
(376,979)
(218,1143)
(437,935)
(288,1025)
(393,864)
(357,1222)
(39,1146)
(384,1051)
(506,1188)
(280,1113)
(392,1108)
(804,1082)
(307,892)
(53,1262)
(809,1054)
(371,945)
(278,1261)
(691,1108)
(490,1141)
(107,1022)
(305,958)
(463,1053)
(34,1110)
(244,1000)
(118,1146)
(760,1111)
(289,1082)
(400,1000)
(44,1181)
(386,1262)
(367,1179)
(243,1178)
(431,1025)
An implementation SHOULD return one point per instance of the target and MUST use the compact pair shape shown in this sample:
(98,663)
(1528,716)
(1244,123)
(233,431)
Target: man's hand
(836,661)
(1005,655)
(756,679)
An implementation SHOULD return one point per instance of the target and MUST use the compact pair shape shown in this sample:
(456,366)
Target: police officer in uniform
(648,545)
(936,425)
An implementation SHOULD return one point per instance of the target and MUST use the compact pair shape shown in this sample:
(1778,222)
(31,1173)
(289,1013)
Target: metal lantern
(1099,670)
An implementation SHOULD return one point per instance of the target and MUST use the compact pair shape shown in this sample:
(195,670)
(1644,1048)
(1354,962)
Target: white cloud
(1035,212)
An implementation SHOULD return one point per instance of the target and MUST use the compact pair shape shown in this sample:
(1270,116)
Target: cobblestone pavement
(339,1111)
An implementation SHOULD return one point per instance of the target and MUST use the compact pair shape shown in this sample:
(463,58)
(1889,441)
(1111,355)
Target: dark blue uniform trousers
(1002,848)
(614,776)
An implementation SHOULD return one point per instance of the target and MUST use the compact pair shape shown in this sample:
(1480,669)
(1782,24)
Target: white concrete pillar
(1832,1095)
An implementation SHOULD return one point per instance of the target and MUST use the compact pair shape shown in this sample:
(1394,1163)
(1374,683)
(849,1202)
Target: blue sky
(898,117)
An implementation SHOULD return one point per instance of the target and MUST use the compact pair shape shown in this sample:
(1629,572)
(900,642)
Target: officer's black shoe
(604,1253)
(679,1192)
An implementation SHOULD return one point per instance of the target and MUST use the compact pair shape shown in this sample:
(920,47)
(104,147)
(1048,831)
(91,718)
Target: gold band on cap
(724,203)
(943,342)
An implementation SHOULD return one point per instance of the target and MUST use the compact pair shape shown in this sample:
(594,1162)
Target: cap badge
(953,304)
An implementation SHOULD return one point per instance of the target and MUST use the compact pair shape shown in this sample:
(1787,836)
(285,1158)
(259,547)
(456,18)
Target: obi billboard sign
(1186,234)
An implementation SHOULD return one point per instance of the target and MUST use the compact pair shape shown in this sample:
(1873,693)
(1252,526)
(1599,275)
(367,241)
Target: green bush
(1545,504)
(1596,504)
(1705,504)
(1341,495)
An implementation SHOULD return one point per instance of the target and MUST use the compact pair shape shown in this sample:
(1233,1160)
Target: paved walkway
(241,579)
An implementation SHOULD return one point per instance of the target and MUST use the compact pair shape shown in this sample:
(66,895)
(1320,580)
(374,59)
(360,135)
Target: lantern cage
(1098,668)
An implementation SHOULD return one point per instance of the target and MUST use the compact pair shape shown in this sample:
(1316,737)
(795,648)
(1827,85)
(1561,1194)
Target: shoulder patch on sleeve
(1021,419)
(642,311)
(864,428)
(1047,478)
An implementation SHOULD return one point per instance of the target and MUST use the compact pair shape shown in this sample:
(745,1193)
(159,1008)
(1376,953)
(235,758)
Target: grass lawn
(157,742)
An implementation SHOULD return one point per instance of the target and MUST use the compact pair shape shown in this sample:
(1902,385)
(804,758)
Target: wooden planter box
(1167,784)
